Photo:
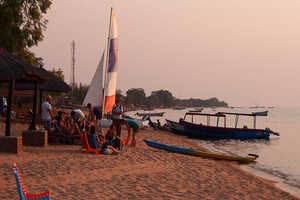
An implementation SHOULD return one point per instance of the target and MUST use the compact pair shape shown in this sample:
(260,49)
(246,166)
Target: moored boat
(196,110)
(262,113)
(218,156)
(178,108)
(222,132)
(175,127)
(159,114)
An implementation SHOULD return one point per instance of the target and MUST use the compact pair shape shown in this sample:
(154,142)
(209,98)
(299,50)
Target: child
(112,142)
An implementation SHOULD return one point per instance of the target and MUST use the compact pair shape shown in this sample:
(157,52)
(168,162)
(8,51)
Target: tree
(78,93)
(59,73)
(135,96)
(22,24)
(161,97)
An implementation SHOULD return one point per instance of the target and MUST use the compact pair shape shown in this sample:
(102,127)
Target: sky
(242,52)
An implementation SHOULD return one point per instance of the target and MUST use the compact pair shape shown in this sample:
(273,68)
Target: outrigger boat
(177,149)
(196,110)
(208,131)
(159,114)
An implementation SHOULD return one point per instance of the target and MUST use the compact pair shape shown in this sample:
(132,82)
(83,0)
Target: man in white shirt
(78,117)
(46,113)
(117,112)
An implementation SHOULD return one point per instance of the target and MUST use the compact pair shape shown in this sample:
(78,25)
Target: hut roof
(13,68)
(54,84)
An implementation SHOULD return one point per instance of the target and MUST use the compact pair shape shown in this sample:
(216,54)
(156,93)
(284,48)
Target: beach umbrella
(14,70)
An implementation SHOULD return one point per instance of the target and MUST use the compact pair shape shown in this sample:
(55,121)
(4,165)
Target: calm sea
(279,157)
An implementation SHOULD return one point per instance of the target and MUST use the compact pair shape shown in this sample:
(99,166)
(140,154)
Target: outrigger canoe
(218,156)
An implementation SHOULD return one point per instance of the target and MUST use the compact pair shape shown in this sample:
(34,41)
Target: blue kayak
(204,154)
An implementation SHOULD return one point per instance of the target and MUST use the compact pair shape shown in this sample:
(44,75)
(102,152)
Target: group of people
(92,124)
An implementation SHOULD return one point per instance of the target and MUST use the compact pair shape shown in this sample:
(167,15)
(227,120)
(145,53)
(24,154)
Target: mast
(107,59)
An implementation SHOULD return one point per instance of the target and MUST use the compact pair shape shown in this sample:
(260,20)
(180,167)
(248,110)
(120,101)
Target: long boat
(175,127)
(218,156)
(179,108)
(222,132)
(159,114)
(261,113)
(196,110)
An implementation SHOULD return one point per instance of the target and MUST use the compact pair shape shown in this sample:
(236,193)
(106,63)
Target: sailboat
(102,91)
(94,95)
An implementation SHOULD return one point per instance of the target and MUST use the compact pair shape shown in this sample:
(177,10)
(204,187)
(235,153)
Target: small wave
(286,178)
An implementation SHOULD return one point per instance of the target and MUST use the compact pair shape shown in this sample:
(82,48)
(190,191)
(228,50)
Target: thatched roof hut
(15,70)
(54,84)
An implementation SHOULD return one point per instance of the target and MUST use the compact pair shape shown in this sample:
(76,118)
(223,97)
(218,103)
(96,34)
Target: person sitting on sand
(92,136)
(112,142)
(112,138)
(58,124)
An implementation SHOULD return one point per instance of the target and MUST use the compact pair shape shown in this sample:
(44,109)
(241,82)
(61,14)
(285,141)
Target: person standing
(134,125)
(46,113)
(117,112)
(95,113)
(79,118)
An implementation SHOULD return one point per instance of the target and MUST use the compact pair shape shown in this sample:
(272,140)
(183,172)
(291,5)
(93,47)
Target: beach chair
(23,194)
(93,142)
(83,143)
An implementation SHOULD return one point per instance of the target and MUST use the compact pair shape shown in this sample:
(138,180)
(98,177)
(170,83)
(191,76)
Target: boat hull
(183,150)
(151,114)
(176,128)
(210,132)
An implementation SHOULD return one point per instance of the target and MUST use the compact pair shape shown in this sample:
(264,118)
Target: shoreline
(137,173)
(261,173)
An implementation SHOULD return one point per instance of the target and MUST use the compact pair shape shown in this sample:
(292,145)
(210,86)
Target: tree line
(136,98)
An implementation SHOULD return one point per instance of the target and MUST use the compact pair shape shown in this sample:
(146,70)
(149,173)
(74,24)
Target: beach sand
(137,173)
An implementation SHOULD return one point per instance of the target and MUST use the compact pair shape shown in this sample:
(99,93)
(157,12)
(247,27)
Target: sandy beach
(137,173)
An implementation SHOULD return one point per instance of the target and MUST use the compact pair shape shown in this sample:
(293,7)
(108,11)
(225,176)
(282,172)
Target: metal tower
(72,80)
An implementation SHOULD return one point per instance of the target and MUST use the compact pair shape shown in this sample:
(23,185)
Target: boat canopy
(246,114)
(206,114)
(217,115)
(223,115)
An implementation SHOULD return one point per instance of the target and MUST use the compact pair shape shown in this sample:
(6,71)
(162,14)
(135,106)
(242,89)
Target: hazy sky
(243,52)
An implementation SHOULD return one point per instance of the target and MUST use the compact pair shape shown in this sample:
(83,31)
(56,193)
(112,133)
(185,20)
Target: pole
(107,59)
(33,121)
(8,110)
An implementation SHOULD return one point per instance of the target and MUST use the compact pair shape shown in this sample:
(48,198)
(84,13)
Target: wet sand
(137,173)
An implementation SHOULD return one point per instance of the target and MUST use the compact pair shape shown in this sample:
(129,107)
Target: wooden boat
(178,108)
(196,110)
(218,156)
(159,114)
(175,127)
(263,113)
(216,132)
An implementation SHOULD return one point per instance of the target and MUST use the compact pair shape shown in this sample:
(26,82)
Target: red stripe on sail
(109,103)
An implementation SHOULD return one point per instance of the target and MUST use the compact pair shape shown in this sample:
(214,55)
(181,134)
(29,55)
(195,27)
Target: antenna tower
(73,64)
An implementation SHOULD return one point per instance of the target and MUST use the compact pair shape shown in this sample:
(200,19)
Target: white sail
(94,95)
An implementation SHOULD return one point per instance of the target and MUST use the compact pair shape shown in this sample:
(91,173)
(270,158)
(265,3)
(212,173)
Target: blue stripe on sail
(113,56)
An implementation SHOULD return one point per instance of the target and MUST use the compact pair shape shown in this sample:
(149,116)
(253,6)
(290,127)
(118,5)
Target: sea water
(279,157)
